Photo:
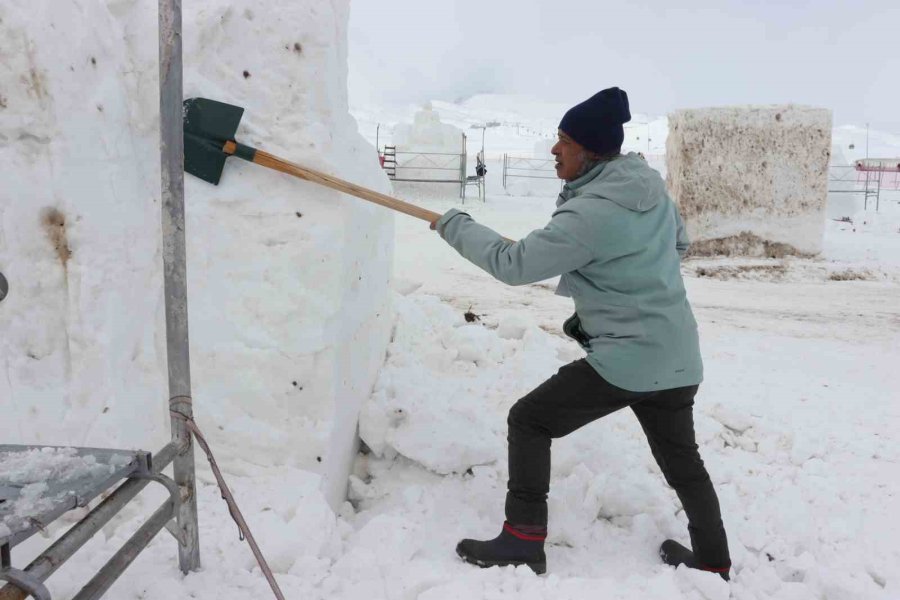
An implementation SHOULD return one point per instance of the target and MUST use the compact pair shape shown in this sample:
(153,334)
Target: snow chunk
(39,465)
(710,585)
(514,325)
(34,469)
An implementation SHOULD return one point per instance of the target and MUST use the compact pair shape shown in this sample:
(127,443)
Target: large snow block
(751,180)
(288,282)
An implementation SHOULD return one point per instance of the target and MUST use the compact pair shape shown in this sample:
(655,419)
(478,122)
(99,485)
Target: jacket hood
(628,181)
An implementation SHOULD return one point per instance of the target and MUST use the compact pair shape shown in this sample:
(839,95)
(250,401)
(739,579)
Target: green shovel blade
(208,124)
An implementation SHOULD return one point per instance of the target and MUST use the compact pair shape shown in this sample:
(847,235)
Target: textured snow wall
(751,179)
(288,282)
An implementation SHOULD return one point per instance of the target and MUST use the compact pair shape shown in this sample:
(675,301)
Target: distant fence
(429,167)
(524,167)
(886,171)
(866,177)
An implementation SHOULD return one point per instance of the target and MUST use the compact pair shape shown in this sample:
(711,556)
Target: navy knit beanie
(597,122)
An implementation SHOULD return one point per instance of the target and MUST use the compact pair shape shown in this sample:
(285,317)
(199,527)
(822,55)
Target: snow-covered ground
(797,420)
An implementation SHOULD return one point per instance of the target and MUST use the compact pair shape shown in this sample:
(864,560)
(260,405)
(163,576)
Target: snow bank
(754,172)
(442,377)
(288,282)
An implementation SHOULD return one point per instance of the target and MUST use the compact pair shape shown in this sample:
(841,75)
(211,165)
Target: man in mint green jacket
(616,241)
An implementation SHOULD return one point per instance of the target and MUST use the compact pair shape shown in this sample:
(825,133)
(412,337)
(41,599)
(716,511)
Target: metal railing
(426,167)
(524,167)
(862,179)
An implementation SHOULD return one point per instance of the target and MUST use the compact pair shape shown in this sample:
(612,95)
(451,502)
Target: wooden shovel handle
(273,162)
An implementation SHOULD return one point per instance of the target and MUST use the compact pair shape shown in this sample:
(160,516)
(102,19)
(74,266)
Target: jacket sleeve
(542,254)
(682,242)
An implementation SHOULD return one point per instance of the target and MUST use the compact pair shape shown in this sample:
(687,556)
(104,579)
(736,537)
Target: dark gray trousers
(578,395)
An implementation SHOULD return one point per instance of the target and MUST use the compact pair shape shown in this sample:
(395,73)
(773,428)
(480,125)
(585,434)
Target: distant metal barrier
(880,173)
(866,177)
(426,167)
(524,167)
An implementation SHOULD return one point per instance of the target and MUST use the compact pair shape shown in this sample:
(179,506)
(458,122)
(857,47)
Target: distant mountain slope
(517,124)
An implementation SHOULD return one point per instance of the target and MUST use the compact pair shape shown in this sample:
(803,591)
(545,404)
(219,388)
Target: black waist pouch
(572,328)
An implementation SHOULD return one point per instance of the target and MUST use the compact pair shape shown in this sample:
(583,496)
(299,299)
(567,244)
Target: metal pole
(878,195)
(866,193)
(462,169)
(867,140)
(174,265)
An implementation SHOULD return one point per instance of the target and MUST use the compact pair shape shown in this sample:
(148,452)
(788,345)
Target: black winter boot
(516,545)
(673,553)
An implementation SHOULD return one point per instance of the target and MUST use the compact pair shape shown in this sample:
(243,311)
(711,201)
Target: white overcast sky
(842,55)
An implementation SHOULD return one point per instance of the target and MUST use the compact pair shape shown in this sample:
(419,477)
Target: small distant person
(480,168)
(616,241)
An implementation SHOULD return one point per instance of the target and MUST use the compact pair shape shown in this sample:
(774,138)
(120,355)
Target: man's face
(570,157)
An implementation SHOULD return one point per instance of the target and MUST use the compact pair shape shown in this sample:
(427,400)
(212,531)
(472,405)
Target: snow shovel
(209,128)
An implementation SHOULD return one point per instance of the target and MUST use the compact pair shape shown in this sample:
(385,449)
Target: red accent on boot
(715,569)
(529,537)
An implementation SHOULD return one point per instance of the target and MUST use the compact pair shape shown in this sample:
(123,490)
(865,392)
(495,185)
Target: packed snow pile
(746,178)
(427,134)
(429,403)
(288,282)
(32,499)
(42,464)
(39,477)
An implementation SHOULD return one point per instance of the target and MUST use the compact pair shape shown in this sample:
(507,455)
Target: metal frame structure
(872,172)
(171,149)
(869,175)
(844,176)
(525,167)
(178,514)
(138,469)
(477,179)
(441,162)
